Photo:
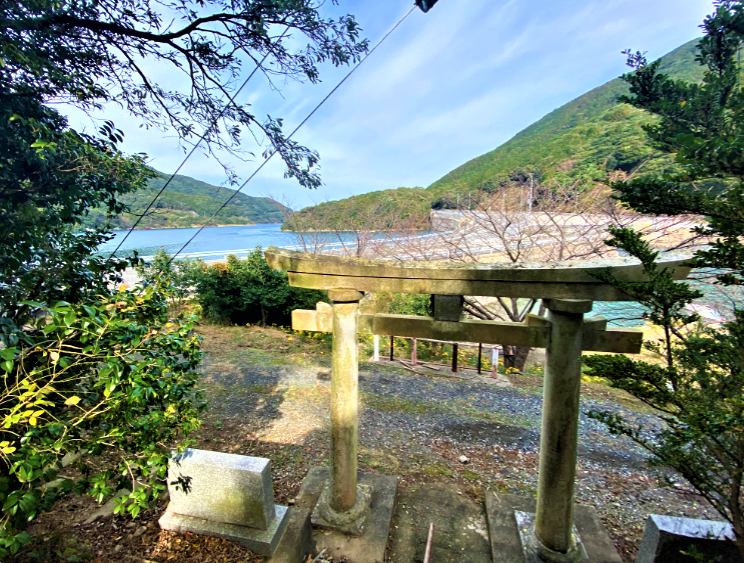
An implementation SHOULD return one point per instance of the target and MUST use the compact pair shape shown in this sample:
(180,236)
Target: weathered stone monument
(547,531)
(225,495)
(671,540)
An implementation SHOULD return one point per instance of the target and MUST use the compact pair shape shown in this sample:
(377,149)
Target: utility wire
(230,101)
(293,133)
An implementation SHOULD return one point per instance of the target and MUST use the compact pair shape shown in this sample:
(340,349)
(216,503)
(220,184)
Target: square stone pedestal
(262,542)
(369,547)
(506,543)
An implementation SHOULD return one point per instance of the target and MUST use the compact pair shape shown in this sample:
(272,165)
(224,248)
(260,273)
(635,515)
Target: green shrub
(249,291)
(410,304)
(403,303)
(182,275)
(85,368)
(112,378)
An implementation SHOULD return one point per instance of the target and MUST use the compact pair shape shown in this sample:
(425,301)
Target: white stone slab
(227,488)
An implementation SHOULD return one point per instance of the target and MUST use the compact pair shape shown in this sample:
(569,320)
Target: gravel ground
(418,426)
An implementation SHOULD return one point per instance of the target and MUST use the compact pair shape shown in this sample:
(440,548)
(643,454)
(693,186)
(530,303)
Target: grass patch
(469,475)
(379,460)
(437,470)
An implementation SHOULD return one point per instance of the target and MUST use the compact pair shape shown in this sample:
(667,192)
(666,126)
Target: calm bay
(213,243)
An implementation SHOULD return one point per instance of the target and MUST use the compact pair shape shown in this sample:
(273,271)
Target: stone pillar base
(370,546)
(350,522)
(506,535)
(535,552)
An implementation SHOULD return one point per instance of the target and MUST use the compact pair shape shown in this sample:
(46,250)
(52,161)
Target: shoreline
(196,227)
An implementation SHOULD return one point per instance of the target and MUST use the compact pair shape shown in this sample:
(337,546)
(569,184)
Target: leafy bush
(249,291)
(182,274)
(410,304)
(113,377)
(84,369)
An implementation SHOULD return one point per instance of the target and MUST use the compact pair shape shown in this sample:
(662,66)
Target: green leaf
(8,354)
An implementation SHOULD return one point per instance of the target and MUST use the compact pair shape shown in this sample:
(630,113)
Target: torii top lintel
(541,280)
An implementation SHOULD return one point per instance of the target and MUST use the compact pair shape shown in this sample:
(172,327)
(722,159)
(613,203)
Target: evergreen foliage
(698,383)
(49,177)
(382,210)
(249,291)
(86,370)
(89,367)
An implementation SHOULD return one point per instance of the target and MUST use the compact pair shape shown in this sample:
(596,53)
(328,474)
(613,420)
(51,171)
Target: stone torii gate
(568,290)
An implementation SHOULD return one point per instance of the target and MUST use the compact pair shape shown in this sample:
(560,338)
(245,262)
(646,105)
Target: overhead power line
(267,159)
(230,101)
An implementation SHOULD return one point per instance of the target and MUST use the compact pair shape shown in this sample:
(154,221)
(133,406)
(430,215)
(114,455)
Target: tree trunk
(740,544)
(516,357)
(739,541)
(736,515)
(263,316)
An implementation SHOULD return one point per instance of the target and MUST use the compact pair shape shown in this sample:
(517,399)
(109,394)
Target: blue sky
(446,87)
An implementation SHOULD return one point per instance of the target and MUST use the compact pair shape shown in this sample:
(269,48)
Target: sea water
(213,243)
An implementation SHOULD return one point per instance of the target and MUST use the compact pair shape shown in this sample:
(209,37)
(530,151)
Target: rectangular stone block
(227,488)
(447,307)
(666,538)
(262,542)
(297,541)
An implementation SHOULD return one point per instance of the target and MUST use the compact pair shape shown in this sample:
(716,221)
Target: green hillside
(584,142)
(188,202)
(384,210)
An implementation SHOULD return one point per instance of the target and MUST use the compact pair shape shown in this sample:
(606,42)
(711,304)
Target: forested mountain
(586,141)
(188,202)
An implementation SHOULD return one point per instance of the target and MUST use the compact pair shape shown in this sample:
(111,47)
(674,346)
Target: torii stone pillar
(560,426)
(344,502)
